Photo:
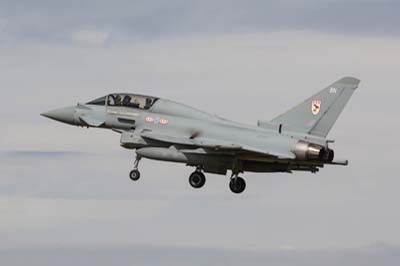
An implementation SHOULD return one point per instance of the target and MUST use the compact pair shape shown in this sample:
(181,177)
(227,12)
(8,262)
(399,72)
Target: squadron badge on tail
(315,106)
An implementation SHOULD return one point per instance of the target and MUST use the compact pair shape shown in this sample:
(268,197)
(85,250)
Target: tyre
(134,175)
(237,185)
(197,179)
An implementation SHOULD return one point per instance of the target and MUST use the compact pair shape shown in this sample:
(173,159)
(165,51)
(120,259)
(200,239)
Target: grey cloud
(47,200)
(38,153)
(59,21)
(377,254)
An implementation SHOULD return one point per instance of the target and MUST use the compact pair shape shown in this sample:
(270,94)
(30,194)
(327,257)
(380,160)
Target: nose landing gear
(134,175)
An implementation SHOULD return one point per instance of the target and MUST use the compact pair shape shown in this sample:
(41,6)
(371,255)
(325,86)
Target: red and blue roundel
(156,120)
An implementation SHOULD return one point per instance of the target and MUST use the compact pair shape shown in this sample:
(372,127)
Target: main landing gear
(237,184)
(197,179)
(134,175)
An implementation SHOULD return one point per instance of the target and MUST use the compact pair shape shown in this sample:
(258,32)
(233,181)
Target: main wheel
(237,185)
(197,179)
(134,175)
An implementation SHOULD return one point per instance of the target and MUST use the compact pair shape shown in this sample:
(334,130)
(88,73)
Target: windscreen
(99,101)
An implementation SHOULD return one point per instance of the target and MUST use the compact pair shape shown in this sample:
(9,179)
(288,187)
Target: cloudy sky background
(65,191)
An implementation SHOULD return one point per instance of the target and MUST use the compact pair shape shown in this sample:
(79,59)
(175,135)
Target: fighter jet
(161,129)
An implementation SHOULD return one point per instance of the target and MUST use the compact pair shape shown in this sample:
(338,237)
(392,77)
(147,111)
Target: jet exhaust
(313,152)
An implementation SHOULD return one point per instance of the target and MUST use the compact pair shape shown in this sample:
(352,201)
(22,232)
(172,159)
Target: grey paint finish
(165,130)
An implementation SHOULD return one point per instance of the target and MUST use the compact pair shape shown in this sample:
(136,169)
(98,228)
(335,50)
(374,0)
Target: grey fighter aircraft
(164,130)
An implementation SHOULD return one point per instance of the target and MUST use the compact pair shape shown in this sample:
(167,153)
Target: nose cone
(65,115)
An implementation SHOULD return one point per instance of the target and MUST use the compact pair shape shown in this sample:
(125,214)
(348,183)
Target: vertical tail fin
(318,114)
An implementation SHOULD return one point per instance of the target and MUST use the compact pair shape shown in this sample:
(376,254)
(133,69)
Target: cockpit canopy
(126,100)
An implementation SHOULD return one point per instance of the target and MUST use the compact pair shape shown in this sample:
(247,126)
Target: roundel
(149,119)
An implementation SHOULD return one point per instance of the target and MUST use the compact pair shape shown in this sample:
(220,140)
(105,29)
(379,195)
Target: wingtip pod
(349,81)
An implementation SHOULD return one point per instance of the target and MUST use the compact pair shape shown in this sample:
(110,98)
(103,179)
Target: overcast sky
(65,192)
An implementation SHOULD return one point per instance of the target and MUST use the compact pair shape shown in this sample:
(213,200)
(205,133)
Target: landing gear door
(132,140)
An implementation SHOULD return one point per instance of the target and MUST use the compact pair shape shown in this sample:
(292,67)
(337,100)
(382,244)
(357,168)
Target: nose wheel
(134,175)
(197,179)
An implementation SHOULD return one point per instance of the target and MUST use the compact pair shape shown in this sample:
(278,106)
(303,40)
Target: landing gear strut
(197,179)
(134,175)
